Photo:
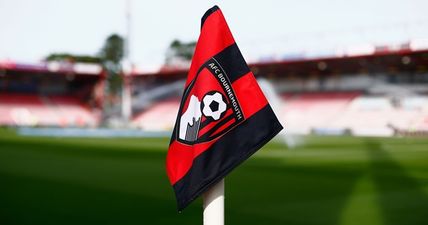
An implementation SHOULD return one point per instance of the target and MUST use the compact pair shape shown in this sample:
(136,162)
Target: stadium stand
(359,115)
(34,110)
(72,111)
(381,93)
(45,96)
(159,117)
(304,112)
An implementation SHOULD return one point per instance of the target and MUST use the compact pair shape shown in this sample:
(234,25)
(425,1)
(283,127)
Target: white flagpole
(214,205)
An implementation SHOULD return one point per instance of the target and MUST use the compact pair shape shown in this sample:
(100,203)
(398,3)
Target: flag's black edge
(208,13)
(230,150)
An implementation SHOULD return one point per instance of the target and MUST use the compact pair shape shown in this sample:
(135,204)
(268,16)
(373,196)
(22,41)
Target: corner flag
(223,118)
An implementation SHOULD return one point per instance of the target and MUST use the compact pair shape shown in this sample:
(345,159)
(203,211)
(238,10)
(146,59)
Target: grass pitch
(326,180)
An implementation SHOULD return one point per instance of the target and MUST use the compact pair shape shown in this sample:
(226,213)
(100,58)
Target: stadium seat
(307,111)
(159,117)
(32,110)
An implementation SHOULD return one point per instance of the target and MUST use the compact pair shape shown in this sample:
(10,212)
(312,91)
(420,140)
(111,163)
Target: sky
(31,29)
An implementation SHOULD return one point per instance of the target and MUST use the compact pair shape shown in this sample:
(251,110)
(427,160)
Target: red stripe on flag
(215,36)
(249,95)
(180,157)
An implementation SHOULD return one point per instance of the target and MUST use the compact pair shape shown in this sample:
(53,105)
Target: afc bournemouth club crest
(209,107)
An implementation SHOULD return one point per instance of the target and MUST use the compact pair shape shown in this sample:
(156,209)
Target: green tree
(113,49)
(179,50)
(111,55)
(67,57)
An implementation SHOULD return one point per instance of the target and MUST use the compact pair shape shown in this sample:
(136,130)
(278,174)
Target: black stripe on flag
(232,62)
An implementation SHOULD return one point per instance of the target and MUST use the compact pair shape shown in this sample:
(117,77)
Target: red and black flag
(223,118)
